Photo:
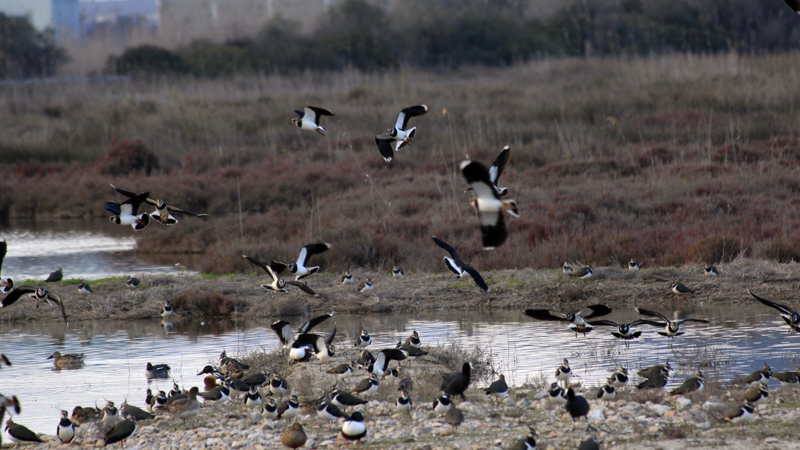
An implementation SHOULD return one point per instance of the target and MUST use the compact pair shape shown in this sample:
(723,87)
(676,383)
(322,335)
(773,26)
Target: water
(739,340)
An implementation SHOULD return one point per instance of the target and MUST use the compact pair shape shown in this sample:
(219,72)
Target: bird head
(114,219)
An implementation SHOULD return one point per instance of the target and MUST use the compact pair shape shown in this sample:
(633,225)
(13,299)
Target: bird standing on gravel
(457,382)
(294,436)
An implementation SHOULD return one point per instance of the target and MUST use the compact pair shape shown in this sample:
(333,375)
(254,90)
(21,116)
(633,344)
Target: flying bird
(488,204)
(672,327)
(577,322)
(300,268)
(496,170)
(40,294)
(279,284)
(398,136)
(458,266)
(164,212)
(790,316)
(309,119)
(624,329)
(287,335)
(126,213)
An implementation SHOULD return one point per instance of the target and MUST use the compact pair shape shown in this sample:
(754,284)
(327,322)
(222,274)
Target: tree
(26,52)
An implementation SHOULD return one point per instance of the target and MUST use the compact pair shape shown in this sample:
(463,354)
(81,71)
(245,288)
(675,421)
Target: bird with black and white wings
(458,266)
(400,135)
(6,284)
(671,326)
(790,316)
(300,268)
(577,321)
(488,204)
(794,4)
(497,168)
(279,284)
(309,119)
(40,294)
(126,213)
(286,333)
(164,211)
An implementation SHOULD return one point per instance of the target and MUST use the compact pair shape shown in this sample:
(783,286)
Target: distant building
(61,15)
(118,18)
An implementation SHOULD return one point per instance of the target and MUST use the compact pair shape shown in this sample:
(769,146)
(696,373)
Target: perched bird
(576,406)
(212,377)
(488,204)
(353,428)
(156,371)
(583,272)
(217,395)
(651,371)
(399,136)
(589,444)
(289,409)
(236,385)
(412,352)
(413,340)
(657,381)
(228,365)
(132,412)
(624,329)
(619,378)
(81,415)
(787,377)
(563,372)
(790,316)
(347,277)
(65,431)
(496,169)
(120,432)
(58,275)
(367,386)
(365,359)
(253,398)
(458,266)
(457,382)
(344,399)
(68,361)
(163,213)
(159,401)
(270,409)
(454,416)
(364,340)
(693,384)
(279,284)
(633,265)
(397,272)
(577,322)
(672,327)
(185,407)
(166,311)
(365,286)
(40,294)
(309,120)
(442,404)
(110,414)
(739,413)
(794,4)
(20,433)
(84,288)
(294,436)
(526,443)
(756,394)
(256,379)
(6,284)
(381,364)
(557,394)
(499,388)
(126,213)
(329,412)
(307,343)
(567,269)
(680,288)
(278,385)
(607,392)
(403,403)
(132,282)
(710,270)
(300,268)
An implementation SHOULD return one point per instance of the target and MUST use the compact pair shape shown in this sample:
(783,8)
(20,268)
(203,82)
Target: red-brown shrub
(195,302)
(711,249)
(125,157)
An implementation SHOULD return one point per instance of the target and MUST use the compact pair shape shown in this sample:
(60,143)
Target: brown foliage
(205,303)
(126,157)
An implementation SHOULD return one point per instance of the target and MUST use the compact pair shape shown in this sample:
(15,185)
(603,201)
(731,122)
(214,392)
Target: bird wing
(283,329)
(595,323)
(303,287)
(477,176)
(499,165)
(57,299)
(476,276)
(647,312)
(447,248)
(691,320)
(546,314)
(782,308)
(314,322)
(16,293)
(278,266)
(646,322)
(384,142)
(3,250)
(131,194)
(381,361)
(178,210)
(316,112)
(134,202)
(310,250)
(493,229)
(594,311)
(301,114)
(329,339)
(794,4)
(452,266)
(263,265)
(407,113)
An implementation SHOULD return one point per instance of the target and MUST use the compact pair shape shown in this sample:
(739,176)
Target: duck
(454,416)
(185,407)
(67,361)
(308,119)
(294,436)
(399,136)
(156,371)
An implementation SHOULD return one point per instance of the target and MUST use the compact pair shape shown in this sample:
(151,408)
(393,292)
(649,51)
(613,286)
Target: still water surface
(738,340)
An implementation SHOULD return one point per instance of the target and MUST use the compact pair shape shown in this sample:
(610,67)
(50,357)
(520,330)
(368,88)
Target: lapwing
(457,382)
(381,364)
(329,412)
(149,400)
(567,269)
(308,343)
(454,417)
(607,392)
(365,359)
(65,431)
(176,392)
(253,398)
(488,204)
(347,277)
(166,310)
(163,213)
(110,414)
(577,406)
(790,316)
(270,409)
(577,321)
(279,284)
(794,4)
(236,385)
(619,378)
(126,213)
(672,327)
(365,286)
(344,399)
(584,272)
(218,394)
(412,352)
(308,119)
(403,403)
(185,407)
(300,268)
(6,284)
(413,340)
(739,413)
(680,288)
(657,381)
(67,361)
(367,386)
(363,340)
(120,432)
(156,371)
(458,266)
(442,404)
(496,169)
(787,377)
(289,409)
(39,294)
(756,394)
(20,433)
(624,330)
(526,443)
(353,428)
(399,136)
(84,288)
(710,270)
(499,388)
(55,276)
(160,401)
(294,436)
(557,394)
(286,333)
(256,379)
(341,370)
(633,265)
(397,272)
(589,444)
(690,386)
(648,372)
(405,384)
(134,413)
(563,372)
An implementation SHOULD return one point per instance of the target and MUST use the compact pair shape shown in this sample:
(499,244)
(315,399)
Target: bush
(145,60)
(205,303)
(25,52)
(126,157)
